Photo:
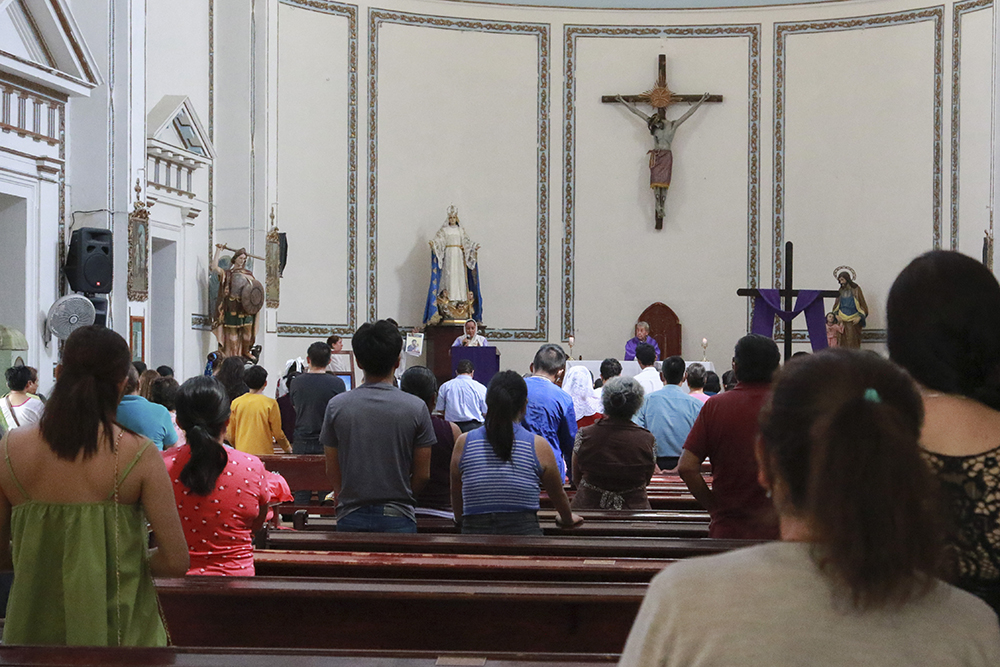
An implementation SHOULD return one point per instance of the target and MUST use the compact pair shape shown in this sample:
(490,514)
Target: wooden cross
(659,97)
(787,293)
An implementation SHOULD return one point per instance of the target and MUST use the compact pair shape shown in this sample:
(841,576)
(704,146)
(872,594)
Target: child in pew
(221,494)
(854,578)
(496,469)
(76,492)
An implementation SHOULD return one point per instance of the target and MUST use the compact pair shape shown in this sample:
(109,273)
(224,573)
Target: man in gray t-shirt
(377,440)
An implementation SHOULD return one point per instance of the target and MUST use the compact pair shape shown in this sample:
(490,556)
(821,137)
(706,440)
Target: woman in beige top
(853,579)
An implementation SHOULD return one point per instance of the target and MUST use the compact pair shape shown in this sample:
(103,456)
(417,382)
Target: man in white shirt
(648,377)
(463,399)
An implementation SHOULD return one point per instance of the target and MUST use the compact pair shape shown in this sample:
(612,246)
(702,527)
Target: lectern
(485,359)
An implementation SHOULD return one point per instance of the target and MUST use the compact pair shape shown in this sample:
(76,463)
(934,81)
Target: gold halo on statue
(660,97)
(837,271)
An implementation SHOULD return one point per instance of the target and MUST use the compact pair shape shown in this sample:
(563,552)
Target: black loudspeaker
(100,310)
(89,261)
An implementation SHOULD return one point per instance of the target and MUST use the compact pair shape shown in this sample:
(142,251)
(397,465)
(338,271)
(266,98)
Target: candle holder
(704,349)
(570,341)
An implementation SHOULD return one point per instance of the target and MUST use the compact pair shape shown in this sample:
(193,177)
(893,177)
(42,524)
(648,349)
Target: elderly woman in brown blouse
(614,459)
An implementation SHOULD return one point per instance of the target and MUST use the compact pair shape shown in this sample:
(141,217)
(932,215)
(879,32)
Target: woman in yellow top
(76,491)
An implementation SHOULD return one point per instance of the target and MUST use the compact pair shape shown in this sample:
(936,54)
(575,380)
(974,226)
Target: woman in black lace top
(944,328)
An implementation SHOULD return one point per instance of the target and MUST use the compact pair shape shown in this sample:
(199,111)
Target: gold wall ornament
(138,248)
(660,97)
(272,262)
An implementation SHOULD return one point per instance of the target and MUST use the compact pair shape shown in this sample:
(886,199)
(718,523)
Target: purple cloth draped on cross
(768,304)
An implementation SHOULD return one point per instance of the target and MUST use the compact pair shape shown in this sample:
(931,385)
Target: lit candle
(571,340)
(704,341)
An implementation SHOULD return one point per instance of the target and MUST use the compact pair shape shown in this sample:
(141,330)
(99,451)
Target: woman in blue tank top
(496,469)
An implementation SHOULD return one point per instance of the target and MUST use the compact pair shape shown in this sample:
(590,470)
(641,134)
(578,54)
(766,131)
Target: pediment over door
(41,43)
(177,145)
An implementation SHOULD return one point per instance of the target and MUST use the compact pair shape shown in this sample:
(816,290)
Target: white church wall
(106,134)
(177,36)
(971,111)
(448,135)
(314,174)
(848,155)
(859,182)
(232,122)
(695,264)
(177,52)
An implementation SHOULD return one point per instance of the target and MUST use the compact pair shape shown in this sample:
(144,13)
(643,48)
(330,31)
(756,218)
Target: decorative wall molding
(293,329)
(959,9)
(29,113)
(781,33)
(211,129)
(572,33)
(867,336)
(379,17)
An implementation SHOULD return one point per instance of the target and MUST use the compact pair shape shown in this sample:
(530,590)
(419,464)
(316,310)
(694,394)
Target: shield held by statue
(248,291)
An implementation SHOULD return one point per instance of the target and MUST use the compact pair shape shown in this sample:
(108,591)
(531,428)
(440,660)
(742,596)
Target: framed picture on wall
(138,250)
(137,337)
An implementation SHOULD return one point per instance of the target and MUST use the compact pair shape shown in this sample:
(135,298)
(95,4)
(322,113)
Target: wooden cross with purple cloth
(767,304)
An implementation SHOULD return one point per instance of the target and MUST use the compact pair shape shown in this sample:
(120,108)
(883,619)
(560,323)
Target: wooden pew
(48,656)
(563,545)
(389,615)
(308,471)
(624,527)
(301,471)
(273,563)
(671,502)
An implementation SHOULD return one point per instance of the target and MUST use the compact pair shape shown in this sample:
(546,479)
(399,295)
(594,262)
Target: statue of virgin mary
(453,296)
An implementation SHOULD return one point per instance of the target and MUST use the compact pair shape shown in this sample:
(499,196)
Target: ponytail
(505,399)
(869,501)
(202,411)
(840,436)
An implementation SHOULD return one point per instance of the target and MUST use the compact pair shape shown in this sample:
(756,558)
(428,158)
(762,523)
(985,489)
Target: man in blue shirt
(148,419)
(550,411)
(669,414)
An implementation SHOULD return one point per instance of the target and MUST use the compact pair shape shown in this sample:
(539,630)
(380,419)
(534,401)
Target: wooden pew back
(390,615)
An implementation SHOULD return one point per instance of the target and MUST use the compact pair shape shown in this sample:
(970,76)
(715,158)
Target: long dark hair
(420,381)
(505,399)
(944,325)
(95,362)
(231,373)
(840,438)
(202,411)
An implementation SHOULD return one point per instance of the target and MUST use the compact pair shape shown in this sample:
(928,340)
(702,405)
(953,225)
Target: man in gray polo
(377,440)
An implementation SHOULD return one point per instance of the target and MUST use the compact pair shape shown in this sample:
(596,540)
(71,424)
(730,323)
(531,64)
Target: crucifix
(661,159)
(786,292)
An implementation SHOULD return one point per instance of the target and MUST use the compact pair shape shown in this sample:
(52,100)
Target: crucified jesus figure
(661,159)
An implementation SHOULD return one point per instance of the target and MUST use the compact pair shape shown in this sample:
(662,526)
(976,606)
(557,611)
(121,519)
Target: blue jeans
(376,519)
(502,523)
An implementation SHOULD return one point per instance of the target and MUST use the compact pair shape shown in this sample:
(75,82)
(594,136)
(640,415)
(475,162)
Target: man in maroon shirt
(726,432)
